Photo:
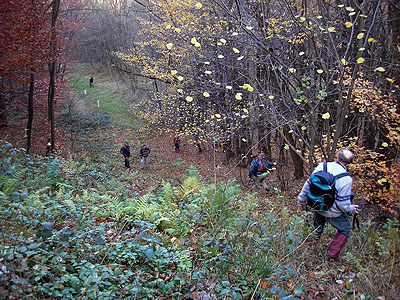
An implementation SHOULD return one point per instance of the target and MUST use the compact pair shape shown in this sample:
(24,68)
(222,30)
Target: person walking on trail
(144,155)
(91,81)
(126,152)
(177,142)
(341,207)
(259,170)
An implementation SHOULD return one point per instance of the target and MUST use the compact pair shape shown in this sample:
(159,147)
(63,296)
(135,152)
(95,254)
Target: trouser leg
(342,224)
(141,163)
(127,164)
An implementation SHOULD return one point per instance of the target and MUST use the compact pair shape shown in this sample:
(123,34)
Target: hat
(126,143)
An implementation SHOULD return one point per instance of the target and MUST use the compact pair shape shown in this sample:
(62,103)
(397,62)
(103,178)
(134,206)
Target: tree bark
(3,107)
(52,71)
(30,113)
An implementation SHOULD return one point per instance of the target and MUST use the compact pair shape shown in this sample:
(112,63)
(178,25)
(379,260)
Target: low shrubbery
(70,230)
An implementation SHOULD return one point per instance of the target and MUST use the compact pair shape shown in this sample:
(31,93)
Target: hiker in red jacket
(259,170)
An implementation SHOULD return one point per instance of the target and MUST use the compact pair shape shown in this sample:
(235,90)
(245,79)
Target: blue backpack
(322,192)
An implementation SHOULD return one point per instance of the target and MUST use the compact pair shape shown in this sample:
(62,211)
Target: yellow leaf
(360,35)
(398,48)
(360,60)
(169,46)
(180,91)
(177,30)
(319,71)
(302,19)
(385,144)
(235,33)
(206,94)
(238,96)
(326,116)
(218,116)
(271,97)
(380,69)
(228,87)
(303,127)
(344,62)
(180,78)
(331,29)
(235,50)
(197,45)
(223,41)
(245,110)
(340,5)
(206,62)
(349,8)
(240,58)
(372,40)
(249,27)
(292,70)
(193,40)
(220,56)
(198,5)
(207,72)
(390,80)
(352,13)
(189,99)
(168,26)
(173,72)
(348,24)
(244,140)
(301,53)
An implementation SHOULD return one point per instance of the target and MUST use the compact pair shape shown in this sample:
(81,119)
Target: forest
(296,80)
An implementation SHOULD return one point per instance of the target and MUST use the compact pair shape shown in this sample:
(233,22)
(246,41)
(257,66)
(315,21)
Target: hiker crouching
(259,170)
(328,192)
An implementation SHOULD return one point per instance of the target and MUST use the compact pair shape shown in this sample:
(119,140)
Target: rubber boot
(336,245)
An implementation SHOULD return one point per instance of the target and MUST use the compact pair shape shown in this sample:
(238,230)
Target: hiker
(144,155)
(341,207)
(259,170)
(91,81)
(126,152)
(177,141)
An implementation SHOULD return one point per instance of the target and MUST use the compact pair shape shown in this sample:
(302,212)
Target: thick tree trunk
(30,113)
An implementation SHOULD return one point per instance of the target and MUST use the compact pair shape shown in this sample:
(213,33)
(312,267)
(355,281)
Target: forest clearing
(133,135)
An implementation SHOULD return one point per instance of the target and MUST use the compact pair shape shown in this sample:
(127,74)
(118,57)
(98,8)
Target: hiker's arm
(252,169)
(343,197)
(302,197)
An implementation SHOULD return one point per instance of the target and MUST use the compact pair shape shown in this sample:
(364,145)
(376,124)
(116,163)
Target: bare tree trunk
(3,107)
(52,71)
(30,112)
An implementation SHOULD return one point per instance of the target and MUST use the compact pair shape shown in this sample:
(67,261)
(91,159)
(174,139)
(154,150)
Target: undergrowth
(76,230)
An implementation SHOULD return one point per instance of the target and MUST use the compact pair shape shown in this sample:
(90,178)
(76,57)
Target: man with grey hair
(338,214)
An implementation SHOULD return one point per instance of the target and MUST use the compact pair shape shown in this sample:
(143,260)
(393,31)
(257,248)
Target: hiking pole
(356,223)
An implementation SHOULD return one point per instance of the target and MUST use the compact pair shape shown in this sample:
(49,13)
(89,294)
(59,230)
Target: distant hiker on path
(126,152)
(259,170)
(337,213)
(177,142)
(91,81)
(144,155)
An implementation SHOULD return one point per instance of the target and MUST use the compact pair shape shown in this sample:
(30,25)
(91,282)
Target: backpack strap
(342,175)
(325,166)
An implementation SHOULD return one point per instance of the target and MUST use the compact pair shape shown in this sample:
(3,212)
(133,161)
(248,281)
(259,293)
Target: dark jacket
(126,151)
(144,152)
(256,164)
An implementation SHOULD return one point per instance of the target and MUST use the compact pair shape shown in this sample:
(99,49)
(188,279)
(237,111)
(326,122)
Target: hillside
(81,226)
